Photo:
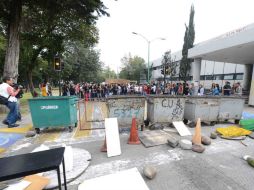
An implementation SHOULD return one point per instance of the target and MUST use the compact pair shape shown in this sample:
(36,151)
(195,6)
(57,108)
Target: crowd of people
(94,91)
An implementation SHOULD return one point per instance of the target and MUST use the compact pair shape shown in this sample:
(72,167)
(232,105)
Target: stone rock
(251,135)
(185,144)
(213,135)
(156,126)
(173,142)
(30,134)
(150,172)
(205,140)
(198,148)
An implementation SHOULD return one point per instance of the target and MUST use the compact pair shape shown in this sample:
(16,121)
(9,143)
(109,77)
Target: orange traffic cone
(197,136)
(134,139)
(104,146)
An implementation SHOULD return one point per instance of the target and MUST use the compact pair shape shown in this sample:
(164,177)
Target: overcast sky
(164,18)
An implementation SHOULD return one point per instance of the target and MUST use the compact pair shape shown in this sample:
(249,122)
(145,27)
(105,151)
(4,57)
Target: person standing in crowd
(7,91)
(180,89)
(238,90)
(215,89)
(44,89)
(227,89)
(201,90)
(185,89)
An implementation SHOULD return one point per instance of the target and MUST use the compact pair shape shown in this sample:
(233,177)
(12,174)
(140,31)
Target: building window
(228,77)
(239,76)
(209,77)
(218,77)
(202,77)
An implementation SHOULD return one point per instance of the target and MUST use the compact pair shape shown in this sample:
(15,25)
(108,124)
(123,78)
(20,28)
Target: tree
(189,37)
(132,67)
(66,15)
(169,66)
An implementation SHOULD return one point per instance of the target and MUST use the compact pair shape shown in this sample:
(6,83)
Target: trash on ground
(249,160)
(233,131)
(37,182)
(150,172)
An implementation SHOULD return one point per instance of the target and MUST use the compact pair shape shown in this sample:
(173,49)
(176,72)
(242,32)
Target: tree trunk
(30,83)
(13,47)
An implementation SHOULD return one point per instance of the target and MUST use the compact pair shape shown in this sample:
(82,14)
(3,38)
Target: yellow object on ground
(22,130)
(2,150)
(233,131)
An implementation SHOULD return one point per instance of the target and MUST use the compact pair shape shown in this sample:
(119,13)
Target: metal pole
(59,76)
(148,69)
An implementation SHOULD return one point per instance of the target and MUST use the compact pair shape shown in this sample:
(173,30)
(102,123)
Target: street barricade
(124,108)
(53,111)
(165,108)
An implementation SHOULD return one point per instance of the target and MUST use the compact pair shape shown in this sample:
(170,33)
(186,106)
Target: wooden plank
(112,137)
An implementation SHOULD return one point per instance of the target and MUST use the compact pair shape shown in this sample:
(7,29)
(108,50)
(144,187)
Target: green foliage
(189,37)
(81,63)
(133,67)
(169,64)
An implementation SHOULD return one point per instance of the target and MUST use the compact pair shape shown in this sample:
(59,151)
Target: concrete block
(173,142)
(150,172)
(185,144)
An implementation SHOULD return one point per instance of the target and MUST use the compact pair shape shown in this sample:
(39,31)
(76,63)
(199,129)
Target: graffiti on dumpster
(167,103)
(178,110)
(126,108)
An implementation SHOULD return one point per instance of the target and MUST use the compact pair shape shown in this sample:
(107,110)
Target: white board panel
(112,137)
(124,180)
(181,128)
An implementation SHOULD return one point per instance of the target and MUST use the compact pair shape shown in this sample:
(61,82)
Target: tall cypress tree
(189,37)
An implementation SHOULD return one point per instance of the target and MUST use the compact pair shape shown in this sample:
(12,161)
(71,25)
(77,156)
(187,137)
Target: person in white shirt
(7,91)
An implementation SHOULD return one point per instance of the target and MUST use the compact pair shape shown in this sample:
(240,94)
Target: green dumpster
(53,111)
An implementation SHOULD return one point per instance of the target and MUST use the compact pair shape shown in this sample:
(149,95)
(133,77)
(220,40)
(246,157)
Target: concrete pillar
(196,69)
(247,76)
(251,97)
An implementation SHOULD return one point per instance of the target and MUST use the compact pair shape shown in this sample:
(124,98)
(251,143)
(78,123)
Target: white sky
(164,18)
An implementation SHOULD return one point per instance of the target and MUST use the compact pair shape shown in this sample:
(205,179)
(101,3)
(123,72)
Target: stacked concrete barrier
(124,108)
(165,108)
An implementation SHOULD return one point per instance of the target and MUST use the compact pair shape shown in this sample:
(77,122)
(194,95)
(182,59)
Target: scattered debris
(249,159)
(234,138)
(173,142)
(205,140)
(185,144)
(198,148)
(251,135)
(150,172)
(243,143)
(156,126)
(30,134)
(213,135)
(233,131)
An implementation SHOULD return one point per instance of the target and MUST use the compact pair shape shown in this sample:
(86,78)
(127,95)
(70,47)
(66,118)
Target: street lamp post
(148,58)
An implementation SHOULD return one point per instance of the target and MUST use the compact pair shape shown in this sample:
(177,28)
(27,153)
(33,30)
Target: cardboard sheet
(181,128)
(123,180)
(37,182)
(21,185)
(112,137)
